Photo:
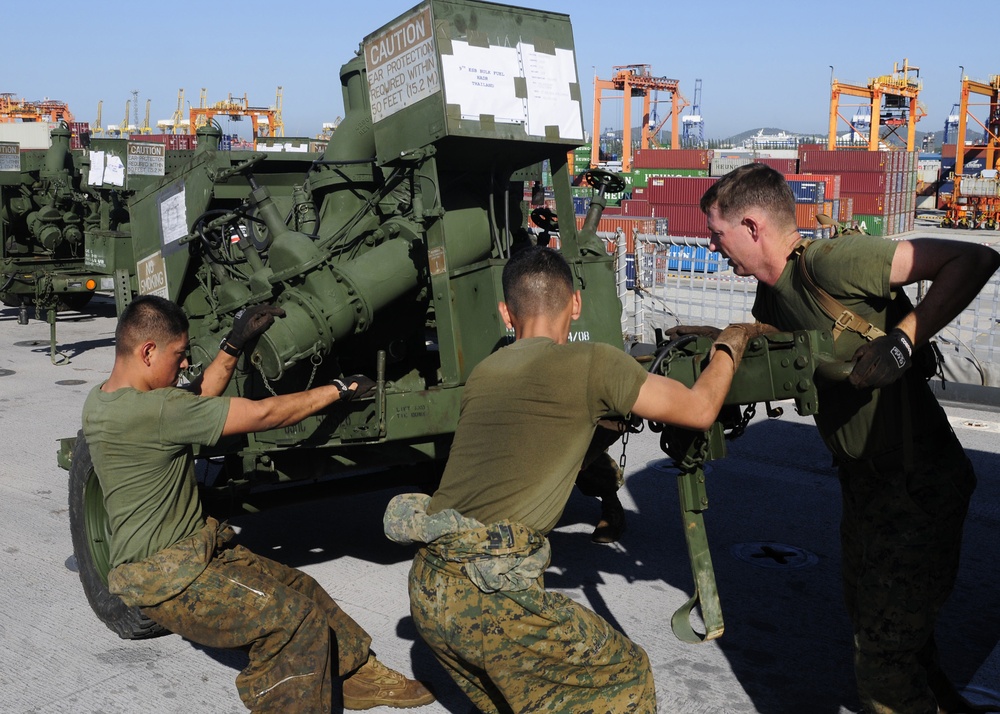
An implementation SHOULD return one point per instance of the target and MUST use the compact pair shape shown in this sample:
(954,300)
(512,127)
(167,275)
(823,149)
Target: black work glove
(699,330)
(882,361)
(362,389)
(250,322)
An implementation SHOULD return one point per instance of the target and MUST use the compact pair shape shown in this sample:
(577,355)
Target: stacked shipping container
(881,185)
(814,194)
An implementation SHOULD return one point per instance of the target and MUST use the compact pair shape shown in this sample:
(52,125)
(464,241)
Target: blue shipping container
(688,258)
(808,191)
(580,205)
(630,271)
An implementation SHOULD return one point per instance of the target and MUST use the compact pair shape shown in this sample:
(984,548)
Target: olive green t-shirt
(855,270)
(141,446)
(528,414)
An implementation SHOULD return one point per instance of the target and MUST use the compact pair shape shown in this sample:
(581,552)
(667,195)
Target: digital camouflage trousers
(526,651)
(290,623)
(901,534)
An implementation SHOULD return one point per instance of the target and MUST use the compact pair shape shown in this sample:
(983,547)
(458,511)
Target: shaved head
(537,281)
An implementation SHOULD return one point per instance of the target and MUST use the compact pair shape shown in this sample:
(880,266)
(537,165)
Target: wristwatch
(228,348)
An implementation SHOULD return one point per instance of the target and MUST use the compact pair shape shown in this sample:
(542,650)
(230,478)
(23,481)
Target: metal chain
(629,429)
(622,458)
(316,360)
(692,461)
(256,361)
(749,413)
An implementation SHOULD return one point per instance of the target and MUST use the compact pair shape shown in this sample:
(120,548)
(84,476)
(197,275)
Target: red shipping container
(635,207)
(805,215)
(783,166)
(627,225)
(867,182)
(870,204)
(673,158)
(152,138)
(683,220)
(846,212)
(678,190)
(843,161)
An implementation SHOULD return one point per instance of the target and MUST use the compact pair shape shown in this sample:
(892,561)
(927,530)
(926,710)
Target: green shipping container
(871,224)
(640,177)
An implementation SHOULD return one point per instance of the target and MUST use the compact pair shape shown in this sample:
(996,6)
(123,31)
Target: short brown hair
(752,186)
(149,317)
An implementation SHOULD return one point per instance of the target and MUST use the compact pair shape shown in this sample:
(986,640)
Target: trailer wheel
(89,528)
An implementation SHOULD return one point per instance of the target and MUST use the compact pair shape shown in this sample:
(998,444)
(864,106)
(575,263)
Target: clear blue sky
(761,64)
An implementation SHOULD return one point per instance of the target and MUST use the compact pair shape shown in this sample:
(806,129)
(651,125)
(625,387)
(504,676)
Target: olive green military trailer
(385,254)
(54,204)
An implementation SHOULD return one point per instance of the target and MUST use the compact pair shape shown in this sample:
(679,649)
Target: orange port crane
(893,102)
(13,109)
(978,204)
(265,120)
(636,80)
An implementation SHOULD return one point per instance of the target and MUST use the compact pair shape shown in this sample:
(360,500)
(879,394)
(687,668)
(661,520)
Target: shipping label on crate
(10,156)
(146,158)
(402,66)
(172,205)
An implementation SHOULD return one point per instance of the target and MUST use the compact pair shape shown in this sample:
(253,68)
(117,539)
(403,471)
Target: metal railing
(678,281)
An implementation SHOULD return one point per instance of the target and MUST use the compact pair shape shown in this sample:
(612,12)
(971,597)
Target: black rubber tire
(88,525)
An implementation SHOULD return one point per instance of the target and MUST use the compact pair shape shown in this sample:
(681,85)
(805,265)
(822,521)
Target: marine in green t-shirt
(176,565)
(527,417)
(142,444)
(905,480)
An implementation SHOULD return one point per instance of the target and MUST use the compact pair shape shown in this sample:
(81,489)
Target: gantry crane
(98,129)
(978,204)
(13,109)
(145,128)
(279,122)
(892,100)
(693,124)
(176,124)
(262,118)
(636,80)
(121,130)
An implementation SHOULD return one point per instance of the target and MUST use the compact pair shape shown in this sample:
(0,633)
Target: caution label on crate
(10,156)
(146,158)
(401,65)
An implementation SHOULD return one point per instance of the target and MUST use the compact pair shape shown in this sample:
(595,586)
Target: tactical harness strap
(843,319)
